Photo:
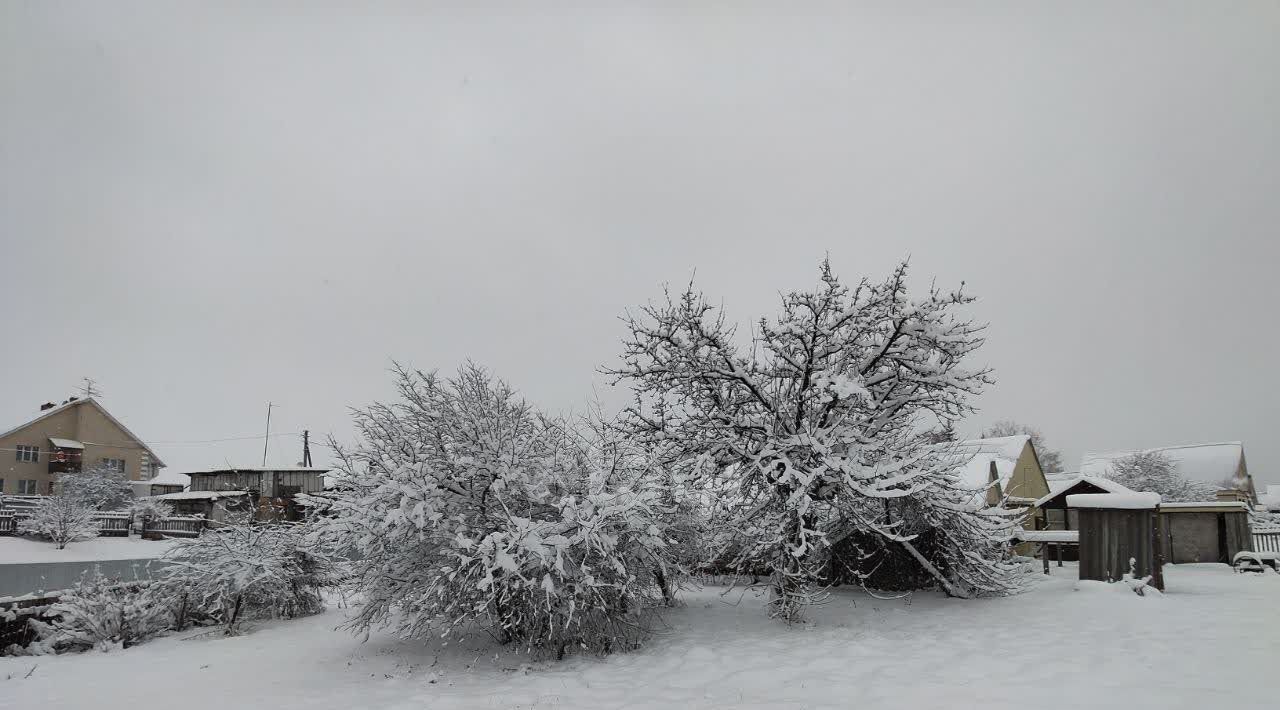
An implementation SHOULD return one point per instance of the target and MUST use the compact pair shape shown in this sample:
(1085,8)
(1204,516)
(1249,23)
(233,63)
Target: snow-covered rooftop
(201,495)
(1206,463)
(1048,535)
(260,469)
(1058,485)
(59,443)
(1123,501)
(165,479)
(1214,504)
(975,457)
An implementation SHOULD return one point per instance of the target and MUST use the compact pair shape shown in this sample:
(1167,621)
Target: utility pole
(266,439)
(306,448)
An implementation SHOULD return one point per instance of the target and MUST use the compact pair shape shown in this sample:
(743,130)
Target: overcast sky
(207,207)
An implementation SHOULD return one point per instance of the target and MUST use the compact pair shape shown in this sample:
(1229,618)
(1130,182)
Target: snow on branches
(97,488)
(240,572)
(468,507)
(800,437)
(62,519)
(100,613)
(1157,472)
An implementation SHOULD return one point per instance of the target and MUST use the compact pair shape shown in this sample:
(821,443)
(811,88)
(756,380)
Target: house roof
(88,400)
(972,459)
(977,455)
(1207,463)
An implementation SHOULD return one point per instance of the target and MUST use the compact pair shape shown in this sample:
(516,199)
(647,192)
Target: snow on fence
(112,524)
(8,522)
(15,612)
(1266,539)
(173,526)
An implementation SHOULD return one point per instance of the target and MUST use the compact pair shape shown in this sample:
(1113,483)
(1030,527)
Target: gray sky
(206,207)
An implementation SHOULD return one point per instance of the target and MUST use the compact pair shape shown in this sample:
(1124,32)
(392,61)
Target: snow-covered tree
(1050,459)
(1156,472)
(800,435)
(467,507)
(62,519)
(98,488)
(150,509)
(242,572)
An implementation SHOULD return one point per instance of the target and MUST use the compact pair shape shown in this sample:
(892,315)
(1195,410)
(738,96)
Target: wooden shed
(1119,532)
(1212,531)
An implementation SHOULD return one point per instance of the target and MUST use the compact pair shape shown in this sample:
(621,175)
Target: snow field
(1209,642)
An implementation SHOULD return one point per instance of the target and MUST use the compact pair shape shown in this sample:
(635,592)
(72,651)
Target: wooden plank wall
(1110,538)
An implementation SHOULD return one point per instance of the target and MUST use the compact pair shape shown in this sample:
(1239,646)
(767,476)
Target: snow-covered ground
(24,549)
(1212,641)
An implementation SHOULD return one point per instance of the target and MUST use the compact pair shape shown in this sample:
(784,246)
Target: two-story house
(78,435)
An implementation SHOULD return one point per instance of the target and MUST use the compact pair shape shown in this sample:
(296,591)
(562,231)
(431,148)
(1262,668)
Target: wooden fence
(8,523)
(173,526)
(17,612)
(14,615)
(112,524)
(1266,539)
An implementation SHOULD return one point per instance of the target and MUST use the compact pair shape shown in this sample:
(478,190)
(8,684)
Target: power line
(122,445)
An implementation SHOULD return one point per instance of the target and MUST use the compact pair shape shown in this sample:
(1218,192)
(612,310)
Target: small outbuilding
(211,505)
(273,491)
(1210,531)
(1119,534)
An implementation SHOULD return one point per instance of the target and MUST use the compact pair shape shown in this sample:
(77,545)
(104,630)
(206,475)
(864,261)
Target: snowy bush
(61,519)
(100,613)
(149,509)
(801,436)
(466,507)
(243,572)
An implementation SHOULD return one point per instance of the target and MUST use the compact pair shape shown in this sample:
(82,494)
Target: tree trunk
(668,594)
(950,589)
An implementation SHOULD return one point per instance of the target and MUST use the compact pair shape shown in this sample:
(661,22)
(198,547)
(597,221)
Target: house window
(28,454)
(27,488)
(113,465)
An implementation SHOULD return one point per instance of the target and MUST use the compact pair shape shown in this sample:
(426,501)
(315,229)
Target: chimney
(47,406)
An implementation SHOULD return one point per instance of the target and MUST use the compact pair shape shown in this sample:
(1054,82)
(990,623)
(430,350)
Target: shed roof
(1114,501)
(201,495)
(1058,486)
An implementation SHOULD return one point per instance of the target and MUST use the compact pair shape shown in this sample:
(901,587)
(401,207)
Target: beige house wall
(83,422)
(1027,481)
